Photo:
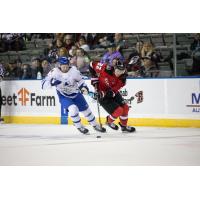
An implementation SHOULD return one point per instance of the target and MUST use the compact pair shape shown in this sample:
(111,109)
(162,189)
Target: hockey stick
(98,109)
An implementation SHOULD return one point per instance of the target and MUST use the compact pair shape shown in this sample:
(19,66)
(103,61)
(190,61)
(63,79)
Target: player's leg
(113,108)
(124,119)
(124,116)
(73,112)
(84,108)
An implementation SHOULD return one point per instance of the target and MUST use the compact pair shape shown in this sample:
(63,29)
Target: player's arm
(120,83)
(50,80)
(95,69)
(81,82)
(94,75)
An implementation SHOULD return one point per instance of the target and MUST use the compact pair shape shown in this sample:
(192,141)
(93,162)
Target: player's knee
(118,112)
(73,110)
(87,111)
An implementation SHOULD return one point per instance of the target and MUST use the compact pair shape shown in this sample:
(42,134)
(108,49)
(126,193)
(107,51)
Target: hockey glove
(95,82)
(98,95)
(110,94)
(55,82)
(85,90)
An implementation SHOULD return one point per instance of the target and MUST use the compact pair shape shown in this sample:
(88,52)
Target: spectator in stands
(135,66)
(19,63)
(68,41)
(111,54)
(14,70)
(110,37)
(92,39)
(195,48)
(150,60)
(59,43)
(36,68)
(6,68)
(46,36)
(139,46)
(62,52)
(13,41)
(195,45)
(81,60)
(28,36)
(120,42)
(2,46)
(136,51)
(103,42)
(72,51)
(60,36)
(47,67)
(53,50)
(48,49)
(18,42)
(82,43)
(25,72)
(7,40)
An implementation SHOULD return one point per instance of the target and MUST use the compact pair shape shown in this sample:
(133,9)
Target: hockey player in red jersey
(108,80)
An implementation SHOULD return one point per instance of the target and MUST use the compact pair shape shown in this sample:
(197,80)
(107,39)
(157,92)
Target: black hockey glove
(100,95)
(84,90)
(110,94)
(95,82)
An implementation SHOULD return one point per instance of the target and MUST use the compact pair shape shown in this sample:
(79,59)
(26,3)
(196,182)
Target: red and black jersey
(106,77)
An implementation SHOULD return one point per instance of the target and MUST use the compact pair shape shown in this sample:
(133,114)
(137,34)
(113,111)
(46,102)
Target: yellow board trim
(132,121)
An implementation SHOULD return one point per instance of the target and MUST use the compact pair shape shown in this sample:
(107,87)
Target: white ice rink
(64,145)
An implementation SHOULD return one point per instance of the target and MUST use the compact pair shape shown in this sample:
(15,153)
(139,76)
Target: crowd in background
(143,61)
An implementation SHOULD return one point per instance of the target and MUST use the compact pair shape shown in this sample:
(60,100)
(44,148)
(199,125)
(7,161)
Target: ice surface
(64,145)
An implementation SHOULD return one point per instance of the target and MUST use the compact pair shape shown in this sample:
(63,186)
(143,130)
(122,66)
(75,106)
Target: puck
(98,136)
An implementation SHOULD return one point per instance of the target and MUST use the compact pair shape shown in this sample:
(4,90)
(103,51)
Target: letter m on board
(195,98)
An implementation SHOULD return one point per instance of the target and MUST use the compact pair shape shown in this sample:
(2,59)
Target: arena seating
(162,43)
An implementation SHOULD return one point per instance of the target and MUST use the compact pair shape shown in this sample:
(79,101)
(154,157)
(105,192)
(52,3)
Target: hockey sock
(118,112)
(90,116)
(74,114)
(124,117)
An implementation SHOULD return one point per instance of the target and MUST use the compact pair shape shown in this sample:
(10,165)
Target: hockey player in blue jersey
(69,82)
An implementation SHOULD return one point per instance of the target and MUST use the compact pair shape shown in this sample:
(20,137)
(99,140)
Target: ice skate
(127,128)
(99,128)
(1,120)
(84,130)
(111,125)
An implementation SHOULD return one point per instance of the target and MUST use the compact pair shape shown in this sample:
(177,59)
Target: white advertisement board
(154,98)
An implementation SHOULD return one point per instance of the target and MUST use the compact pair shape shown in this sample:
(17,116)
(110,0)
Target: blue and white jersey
(67,84)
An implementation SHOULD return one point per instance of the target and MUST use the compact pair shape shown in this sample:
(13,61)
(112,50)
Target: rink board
(152,102)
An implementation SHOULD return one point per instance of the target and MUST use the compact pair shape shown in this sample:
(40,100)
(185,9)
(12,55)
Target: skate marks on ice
(52,135)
